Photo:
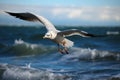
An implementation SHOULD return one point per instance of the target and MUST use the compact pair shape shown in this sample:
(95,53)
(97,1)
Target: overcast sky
(64,12)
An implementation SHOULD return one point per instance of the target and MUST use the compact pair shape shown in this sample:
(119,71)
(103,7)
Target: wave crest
(28,45)
(90,54)
(22,73)
(21,47)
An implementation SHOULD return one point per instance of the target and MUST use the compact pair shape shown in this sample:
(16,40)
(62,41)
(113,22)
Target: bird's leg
(65,48)
(59,49)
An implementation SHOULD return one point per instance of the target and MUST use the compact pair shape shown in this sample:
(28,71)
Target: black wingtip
(11,13)
(91,35)
(5,11)
(99,36)
(8,12)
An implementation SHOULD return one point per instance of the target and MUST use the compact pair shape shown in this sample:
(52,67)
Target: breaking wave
(90,54)
(10,72)
(21,48)
(28,48)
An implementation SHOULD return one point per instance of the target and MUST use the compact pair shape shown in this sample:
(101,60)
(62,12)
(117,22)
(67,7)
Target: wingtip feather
(7,12)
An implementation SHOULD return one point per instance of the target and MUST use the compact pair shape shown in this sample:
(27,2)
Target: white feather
(69,43)
(48,24)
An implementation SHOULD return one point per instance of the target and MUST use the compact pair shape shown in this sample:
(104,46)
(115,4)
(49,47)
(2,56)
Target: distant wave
(112,33)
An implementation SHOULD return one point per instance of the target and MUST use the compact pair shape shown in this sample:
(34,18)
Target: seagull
(53,34)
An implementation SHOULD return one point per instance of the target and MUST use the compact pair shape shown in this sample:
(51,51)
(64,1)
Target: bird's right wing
(75,32)
(33,17)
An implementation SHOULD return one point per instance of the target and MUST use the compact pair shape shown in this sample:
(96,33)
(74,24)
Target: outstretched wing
(33,17)
(75,32)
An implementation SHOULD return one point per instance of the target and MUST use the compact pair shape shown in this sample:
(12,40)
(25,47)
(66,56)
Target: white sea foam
(115,77)
(89,54)
(32,46)
(24,48)
(75,52)
(112,33)
(28,65)
(19,73)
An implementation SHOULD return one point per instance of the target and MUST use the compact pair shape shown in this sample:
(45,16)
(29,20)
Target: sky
(64,12)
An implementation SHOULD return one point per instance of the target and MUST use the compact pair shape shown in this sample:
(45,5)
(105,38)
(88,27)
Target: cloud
(88,13)
(104,17)
(85,13)
(75,13)
(68,12)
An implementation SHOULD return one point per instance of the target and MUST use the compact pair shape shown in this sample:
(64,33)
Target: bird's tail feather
(69,43)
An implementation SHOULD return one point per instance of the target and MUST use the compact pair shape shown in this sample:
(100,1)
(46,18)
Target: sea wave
(112,33)
(115,77)
(28,48)
(21,48)
(10,72)
(90,54)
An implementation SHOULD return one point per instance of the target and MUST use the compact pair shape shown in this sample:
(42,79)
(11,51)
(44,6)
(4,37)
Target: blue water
(25,55)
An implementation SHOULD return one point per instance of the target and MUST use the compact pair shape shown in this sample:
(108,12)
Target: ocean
(25,55)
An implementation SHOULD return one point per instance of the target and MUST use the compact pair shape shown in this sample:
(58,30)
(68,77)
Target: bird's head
(50,35)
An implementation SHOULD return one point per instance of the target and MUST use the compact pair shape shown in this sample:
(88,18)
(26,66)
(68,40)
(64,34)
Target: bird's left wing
(32,17)
(75,32)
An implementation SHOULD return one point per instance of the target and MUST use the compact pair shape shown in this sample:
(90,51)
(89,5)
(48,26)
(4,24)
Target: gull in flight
(53,34)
